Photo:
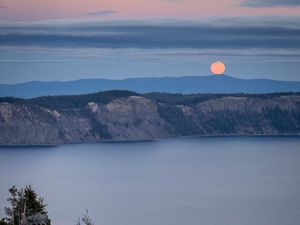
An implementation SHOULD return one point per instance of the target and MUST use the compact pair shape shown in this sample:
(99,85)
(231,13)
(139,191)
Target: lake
(192,181)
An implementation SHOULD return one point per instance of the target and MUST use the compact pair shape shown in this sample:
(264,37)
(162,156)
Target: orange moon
(217,68)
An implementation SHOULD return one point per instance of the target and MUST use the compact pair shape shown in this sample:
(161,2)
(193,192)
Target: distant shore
(151,140)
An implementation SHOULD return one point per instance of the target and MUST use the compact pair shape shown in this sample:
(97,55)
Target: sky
(116,39)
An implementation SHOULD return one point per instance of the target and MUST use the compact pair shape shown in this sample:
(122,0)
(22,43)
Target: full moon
(217,68)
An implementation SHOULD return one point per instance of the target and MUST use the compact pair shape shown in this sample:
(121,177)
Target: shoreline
(151,140)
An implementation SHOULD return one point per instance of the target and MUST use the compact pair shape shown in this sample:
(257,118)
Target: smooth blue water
(209,181)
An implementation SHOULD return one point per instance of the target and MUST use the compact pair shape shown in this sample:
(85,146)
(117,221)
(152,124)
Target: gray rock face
(133,118)
(144,118)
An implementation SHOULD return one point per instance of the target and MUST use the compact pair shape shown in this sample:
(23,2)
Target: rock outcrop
(99,117)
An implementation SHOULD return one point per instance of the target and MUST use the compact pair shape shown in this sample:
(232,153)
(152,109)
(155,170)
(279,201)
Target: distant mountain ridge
(184,85)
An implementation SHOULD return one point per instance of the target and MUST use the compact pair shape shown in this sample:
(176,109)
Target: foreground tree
(26,208)
(2,222)
(86,220)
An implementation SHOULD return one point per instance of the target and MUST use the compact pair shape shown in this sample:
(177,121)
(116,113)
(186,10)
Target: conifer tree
(86,220)
(26,208)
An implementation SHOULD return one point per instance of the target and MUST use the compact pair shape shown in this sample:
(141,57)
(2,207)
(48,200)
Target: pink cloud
(60,9)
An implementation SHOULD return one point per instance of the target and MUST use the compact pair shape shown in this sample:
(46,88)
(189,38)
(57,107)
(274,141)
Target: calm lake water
(195,181)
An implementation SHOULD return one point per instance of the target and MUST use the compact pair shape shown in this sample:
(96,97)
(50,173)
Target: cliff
(123,115)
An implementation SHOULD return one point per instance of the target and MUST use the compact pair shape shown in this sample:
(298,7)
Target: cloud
(160,35)
(270,3)
(101,13)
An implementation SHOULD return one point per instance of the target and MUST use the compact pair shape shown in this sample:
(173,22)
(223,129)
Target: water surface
(209,181)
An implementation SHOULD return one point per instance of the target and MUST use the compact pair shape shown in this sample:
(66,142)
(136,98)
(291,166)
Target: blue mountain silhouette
(184,85)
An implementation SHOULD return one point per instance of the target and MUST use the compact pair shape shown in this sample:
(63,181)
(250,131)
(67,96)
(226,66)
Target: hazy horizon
(145,77)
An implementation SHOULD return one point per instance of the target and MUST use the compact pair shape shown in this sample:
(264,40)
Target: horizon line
(147,77)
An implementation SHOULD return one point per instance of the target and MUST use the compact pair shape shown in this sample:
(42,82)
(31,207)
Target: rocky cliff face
(145,117)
